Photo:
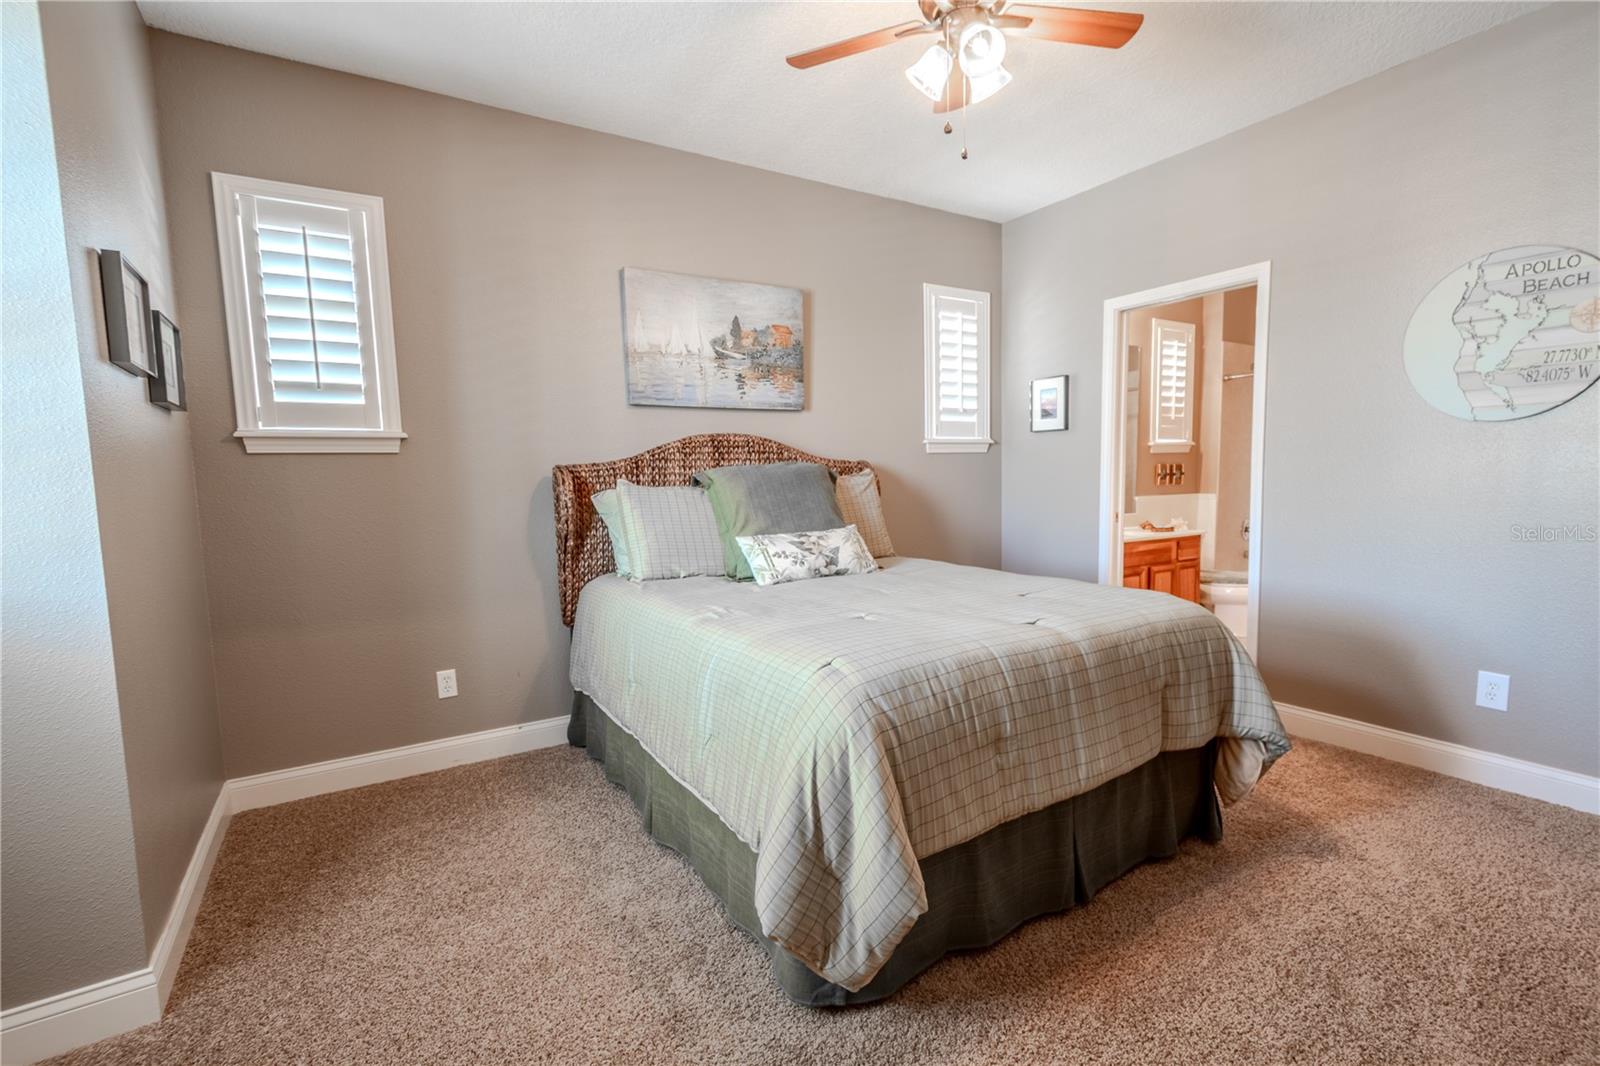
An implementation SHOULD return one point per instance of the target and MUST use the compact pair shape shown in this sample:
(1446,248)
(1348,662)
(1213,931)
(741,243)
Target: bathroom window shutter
(956,348)
(305,281)
(1172,357)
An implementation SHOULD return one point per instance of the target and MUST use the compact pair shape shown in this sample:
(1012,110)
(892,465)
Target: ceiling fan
(972,44)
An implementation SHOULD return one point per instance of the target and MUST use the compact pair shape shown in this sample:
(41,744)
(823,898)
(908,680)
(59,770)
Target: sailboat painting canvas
(700,342)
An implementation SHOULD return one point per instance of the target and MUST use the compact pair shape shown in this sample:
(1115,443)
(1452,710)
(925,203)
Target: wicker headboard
(583,550)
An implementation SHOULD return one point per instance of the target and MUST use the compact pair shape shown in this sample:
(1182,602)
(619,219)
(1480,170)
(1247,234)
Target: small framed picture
(1049,404)
(166,388)
(127,298)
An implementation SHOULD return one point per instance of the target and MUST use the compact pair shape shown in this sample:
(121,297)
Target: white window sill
(1172,449)
(304,442)
(957,445)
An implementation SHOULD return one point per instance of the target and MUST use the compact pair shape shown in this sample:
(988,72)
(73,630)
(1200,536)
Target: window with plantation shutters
(1172,358)
(956,369)
(305,283)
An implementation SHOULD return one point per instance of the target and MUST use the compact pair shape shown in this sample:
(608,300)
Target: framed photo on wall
(1048,400)
(166,388)
(126,296)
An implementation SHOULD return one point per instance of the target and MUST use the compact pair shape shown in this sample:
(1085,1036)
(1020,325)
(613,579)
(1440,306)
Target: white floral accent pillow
(778,557)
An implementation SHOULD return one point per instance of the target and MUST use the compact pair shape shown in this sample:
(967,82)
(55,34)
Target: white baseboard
(1547,783)
(356,771)
(168,954)
(60,1023)
(53,1026)
(49,1027)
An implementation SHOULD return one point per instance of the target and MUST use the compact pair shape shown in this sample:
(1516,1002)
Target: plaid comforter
(843,727)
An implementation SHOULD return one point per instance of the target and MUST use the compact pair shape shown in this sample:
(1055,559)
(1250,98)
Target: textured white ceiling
(710,78)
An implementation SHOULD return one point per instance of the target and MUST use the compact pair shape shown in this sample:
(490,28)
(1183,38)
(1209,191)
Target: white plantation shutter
(1172,374)
(956,345)
(308,299)
(956,335)
(305,279)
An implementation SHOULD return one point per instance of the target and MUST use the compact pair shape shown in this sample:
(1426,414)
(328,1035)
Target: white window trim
(257,439)
(934,442)
(1171,447)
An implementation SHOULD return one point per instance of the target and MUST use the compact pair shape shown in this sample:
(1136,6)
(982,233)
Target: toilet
(1227,594)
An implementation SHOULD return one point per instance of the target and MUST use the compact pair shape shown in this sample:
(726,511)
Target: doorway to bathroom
(1182,418)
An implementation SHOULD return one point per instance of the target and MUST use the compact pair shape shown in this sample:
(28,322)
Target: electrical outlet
(447,684)
(1493,690)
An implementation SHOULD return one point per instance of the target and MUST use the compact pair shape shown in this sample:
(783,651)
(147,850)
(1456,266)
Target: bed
(871,771)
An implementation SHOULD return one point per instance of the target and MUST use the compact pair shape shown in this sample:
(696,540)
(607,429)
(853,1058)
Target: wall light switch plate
(447,684)
(1493,690)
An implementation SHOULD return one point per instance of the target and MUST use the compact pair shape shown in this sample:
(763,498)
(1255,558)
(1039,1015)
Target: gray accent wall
(340,583)
(103,103)
(106,149)
(69,886)
(1391,567)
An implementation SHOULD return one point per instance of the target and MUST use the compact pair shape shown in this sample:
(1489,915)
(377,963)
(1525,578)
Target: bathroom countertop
(1145,534)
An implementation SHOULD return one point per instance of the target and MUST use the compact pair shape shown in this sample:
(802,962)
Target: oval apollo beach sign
(1510,334)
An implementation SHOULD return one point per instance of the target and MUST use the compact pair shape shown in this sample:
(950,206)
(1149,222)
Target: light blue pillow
(609,507)
(670,531)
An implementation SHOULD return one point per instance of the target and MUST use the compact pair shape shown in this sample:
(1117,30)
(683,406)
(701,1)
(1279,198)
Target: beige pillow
(857,495)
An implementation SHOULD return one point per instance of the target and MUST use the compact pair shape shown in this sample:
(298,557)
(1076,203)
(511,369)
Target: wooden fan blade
(850,46)
(1072,25)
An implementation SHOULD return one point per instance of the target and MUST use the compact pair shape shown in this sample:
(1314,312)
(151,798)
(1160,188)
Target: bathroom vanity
(1165,562)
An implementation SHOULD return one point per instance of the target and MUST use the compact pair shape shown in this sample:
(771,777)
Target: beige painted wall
(339,584)
(1137,331)
(1233,457)
(111,197)
(1239,315)
(1391,570)
(1208,393)
(69,902)
(1233,438)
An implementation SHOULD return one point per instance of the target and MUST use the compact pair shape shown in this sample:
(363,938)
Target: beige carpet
(513,912)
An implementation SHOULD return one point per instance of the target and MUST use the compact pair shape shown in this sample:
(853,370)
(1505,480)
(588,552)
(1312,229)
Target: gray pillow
(768,498)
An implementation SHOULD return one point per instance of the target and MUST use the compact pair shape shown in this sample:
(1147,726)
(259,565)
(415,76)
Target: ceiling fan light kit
(982,49)
(983,86)
(931,73)
(972,37)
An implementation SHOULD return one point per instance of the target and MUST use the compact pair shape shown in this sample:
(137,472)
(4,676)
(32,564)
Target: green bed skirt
(1042,863)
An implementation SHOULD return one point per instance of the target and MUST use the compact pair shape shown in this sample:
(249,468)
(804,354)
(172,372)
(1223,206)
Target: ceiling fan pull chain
(963,116)
(948,129)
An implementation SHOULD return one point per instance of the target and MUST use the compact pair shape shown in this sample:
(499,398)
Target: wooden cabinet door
(1169,565)
(1186,581)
